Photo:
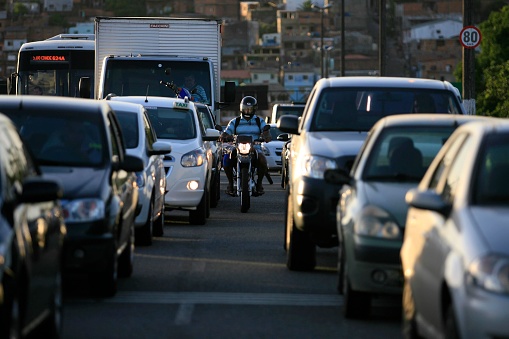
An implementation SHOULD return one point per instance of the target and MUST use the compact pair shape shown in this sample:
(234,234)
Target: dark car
(78,142)
(32,233)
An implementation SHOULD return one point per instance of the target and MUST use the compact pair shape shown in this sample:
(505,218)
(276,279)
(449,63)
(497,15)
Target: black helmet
(248,107)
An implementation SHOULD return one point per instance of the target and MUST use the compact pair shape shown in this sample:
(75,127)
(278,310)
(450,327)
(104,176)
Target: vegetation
(58,19)
(126,7)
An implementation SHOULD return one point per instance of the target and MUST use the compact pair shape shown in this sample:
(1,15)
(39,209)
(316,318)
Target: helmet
(248,107)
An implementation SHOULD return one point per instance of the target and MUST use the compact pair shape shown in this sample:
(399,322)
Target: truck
(139,55)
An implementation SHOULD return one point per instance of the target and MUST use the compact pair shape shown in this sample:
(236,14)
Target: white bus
(54,66)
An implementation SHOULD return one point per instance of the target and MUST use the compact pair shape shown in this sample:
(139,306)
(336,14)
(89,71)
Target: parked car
(272,149)
(188,168)
(78,142)
(280,109)
(208,120)
(141,141)
(371,210)
(455,256)
(32,233)
(338,114)
(285,157)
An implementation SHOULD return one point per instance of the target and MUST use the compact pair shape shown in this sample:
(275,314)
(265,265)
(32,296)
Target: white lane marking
(184,314)
(220,298)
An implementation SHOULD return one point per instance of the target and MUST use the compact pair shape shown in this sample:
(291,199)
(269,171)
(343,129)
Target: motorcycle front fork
(237,179)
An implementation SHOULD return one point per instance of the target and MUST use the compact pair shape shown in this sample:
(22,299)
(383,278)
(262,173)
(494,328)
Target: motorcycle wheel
(245,193)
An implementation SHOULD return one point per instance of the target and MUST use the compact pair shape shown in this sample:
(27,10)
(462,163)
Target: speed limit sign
(470,37)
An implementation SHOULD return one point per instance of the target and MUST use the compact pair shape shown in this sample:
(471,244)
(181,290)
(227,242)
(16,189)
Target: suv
(188,167)
(338,115)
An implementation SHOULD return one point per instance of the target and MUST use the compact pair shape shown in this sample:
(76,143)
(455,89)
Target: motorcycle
(244,172)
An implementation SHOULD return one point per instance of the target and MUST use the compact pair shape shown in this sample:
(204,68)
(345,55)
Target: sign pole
(468,74)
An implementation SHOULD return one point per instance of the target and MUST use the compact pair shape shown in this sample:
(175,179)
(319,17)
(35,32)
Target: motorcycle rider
(248,123)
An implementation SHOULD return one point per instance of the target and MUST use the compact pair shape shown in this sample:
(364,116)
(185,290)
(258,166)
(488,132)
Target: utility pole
(381,38)
(468,74)
(322,30)
(342,38)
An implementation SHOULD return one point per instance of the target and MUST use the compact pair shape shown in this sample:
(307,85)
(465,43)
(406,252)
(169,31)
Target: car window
(457,168)
(404,153)
(492,176)
(150,136)
(115,146)
(357,109)
(129,124)
(446,161)
(205,117)
(172,123)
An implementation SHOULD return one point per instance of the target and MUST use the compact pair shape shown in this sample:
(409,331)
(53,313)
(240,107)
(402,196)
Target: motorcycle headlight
(83,210)
(193,159)
(490,272)
(378,223)
(314,166)
(244,148)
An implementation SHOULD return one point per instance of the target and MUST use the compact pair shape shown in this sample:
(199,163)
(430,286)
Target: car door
(155,163)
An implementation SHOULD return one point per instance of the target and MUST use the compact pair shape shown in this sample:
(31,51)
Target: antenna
(146,94)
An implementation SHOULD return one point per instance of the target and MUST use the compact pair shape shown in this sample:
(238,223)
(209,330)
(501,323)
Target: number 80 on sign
(470,37)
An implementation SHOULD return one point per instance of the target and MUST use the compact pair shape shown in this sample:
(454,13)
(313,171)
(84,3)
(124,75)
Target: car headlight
(378,223)
(83,210)
(140,179)
(314,166)
(490,272)
(265,150)
(193,159)
(244,148)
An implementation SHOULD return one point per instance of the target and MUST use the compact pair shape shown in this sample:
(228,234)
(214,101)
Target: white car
(189,167)
(455,256)
(141,141)
(272,150)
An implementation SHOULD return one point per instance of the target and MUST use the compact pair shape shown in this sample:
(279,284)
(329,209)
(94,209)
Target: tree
(126,7)
(493,100)
(306,6)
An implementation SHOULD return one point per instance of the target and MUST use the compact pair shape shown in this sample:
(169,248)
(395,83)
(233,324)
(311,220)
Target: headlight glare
(244,148)
(376,222)
(315,166)
(83,210)
(193,159)
(490,272)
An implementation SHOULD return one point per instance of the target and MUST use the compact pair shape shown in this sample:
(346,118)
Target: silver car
(140,140)
(455,255)
(371,210)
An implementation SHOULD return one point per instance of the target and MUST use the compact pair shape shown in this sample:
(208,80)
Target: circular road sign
(470,37)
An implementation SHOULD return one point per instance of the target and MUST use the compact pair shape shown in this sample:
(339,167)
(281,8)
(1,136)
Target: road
(226,279)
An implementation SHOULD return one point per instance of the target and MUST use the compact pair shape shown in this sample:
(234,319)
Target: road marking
(184,314)
(220,298)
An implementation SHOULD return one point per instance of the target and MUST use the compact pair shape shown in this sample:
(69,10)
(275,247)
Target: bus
(54,66)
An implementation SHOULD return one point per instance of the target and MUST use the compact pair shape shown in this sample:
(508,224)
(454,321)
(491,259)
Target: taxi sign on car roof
(180,105)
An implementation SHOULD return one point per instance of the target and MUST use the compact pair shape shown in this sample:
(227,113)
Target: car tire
(199,216)
(341,268)
(451,327)
(356,305)
(53,325)
(126,259)
(104,284)
(207,204)
(408,314)
(158,230)
(300,250)
(215,189)
(143,235)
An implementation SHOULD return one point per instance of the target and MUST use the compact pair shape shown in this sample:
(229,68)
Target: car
(78,143)
(371,210)
(272,149)
(280,109)
(338,115)
(32,233)
(454,255)
(208,120)
(285,156)
(141,141)
(188,168)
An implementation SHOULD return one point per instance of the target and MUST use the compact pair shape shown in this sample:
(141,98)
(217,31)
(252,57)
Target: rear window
(357,109)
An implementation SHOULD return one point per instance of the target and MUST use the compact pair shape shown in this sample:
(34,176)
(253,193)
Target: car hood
(180,147)
(78,182)
(335,144)
(388,196)
(491,223)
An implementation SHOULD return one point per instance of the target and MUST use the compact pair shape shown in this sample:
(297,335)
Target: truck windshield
(53,72)
(127,77)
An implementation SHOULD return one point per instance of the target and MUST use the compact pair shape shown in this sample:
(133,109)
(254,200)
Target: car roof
(378,81)
(428,119)
(150,100)
(127,106)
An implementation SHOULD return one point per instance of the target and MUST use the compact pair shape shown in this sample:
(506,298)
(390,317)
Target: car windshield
(172,123)
(63,138)
(492,183)
(205,117)
(404,153)
(274,132)
(357,109)
(129,124)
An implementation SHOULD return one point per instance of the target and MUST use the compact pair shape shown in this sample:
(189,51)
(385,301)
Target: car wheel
(199,216)
(104,284)
(158,230)
(341,268)
(451,329)
(144,234)
(300,251)
(126,259)
(287,234)
(215,190)
(408,323)
(10,310)
(52,326)
(357,304)
(207,204)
